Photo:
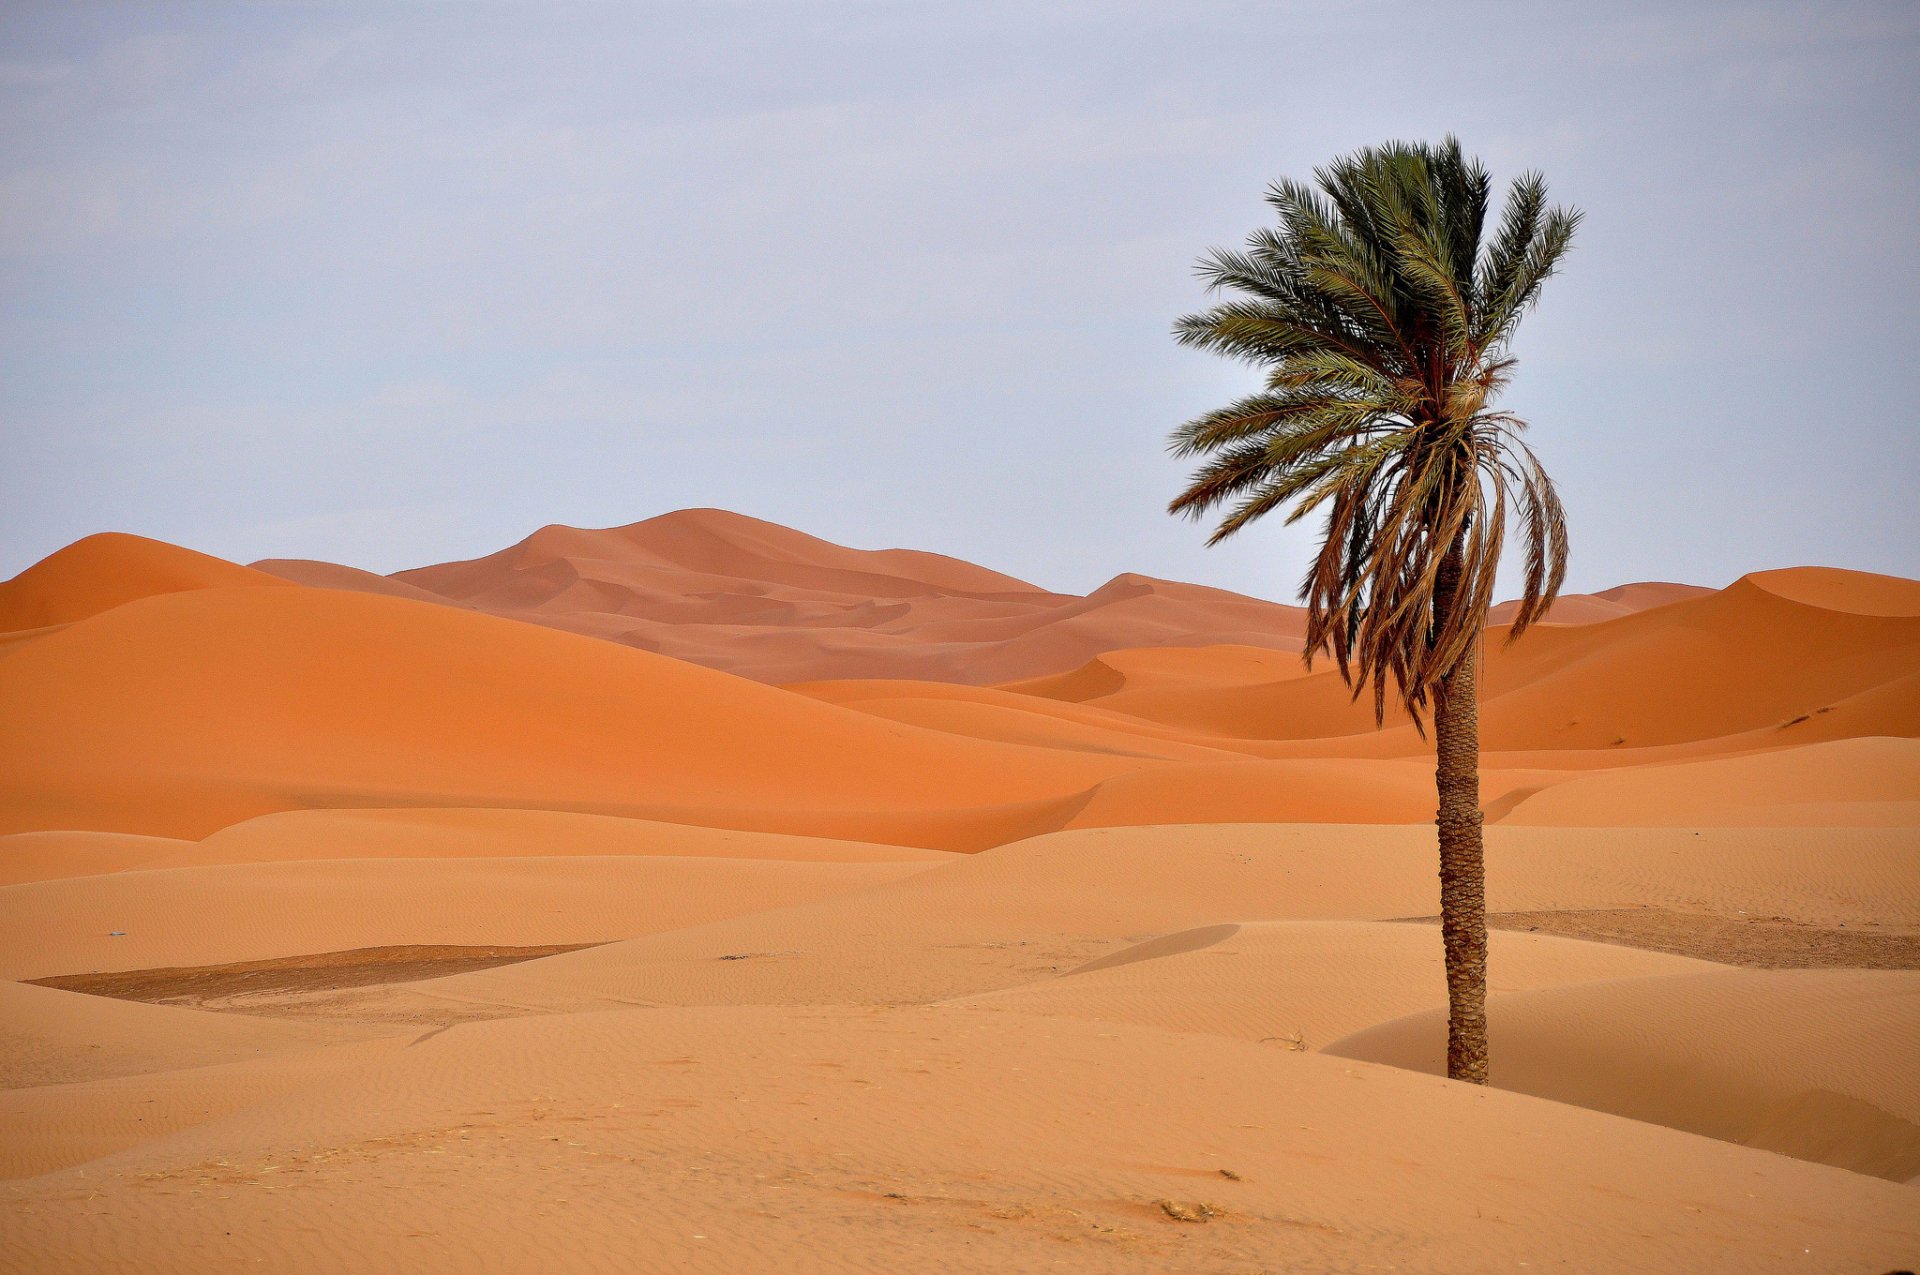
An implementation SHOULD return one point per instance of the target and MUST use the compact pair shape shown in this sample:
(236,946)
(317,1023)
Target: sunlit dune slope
(214,915)
(1749,657)
(178,714)
(1304,983)
(746,1138)
(1773,653)
(101,572)
(508,833)
(1041,907)
(1813,1063)
(419,833)
(52,1037)
(1859,592)
(1873,781)
(44,856)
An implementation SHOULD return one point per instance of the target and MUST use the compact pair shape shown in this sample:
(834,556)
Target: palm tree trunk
(1463,878)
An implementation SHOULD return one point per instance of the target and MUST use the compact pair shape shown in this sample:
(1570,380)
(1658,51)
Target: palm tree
(1384,318)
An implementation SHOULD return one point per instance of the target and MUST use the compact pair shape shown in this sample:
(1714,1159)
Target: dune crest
(106,570)
(777,605)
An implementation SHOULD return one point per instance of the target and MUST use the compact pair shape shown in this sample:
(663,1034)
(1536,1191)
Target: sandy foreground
(358,923)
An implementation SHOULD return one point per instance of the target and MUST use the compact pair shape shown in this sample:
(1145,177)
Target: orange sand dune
(1746,658)
(1812,1063)
(331,575)
(1608,604)
(58,1126)
(1843,782)
(418,833)
(1304,983)
(1302,791)
(923,1138)
(1127,1032)
(1753,657)
(51,1037)
(172,704)
(1039,908)
(178,714)
(1009,719)
(101,572)
(427,833)
(46,856)
(753,1088)
(776,605)
(255,911)
(1858,592)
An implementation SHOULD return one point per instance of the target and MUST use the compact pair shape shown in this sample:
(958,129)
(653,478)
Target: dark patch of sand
(196,985)
(1761,942)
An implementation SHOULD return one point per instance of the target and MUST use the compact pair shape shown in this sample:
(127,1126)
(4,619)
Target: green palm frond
(1382,311)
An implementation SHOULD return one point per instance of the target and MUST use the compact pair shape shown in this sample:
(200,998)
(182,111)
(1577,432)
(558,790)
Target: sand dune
(1302,791)
(746,1139)
(45,856)
(774,604)
(1872,781)
(1009,719)
(1039,908)
(214,915)
(1816,1064)
(1303,984)
(681,803)
(179,714)
(102,572)
(50,1037)
(1831,589)
(1608,604)
(332,575)
(174,704)
(766,1124)
(1746,658)
(777,605)
(1753,657)
(418,833)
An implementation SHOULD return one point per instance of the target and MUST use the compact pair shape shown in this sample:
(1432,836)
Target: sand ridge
(774,604)
(206,702)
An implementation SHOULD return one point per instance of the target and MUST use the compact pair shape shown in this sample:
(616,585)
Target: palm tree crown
(1385,320)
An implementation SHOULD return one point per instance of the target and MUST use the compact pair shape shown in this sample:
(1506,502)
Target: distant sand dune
(161,693)
(776,605)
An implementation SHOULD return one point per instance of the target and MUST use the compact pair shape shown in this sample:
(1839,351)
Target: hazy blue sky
(390,284)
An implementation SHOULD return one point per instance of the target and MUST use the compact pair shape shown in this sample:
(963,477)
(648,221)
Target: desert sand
(700,895)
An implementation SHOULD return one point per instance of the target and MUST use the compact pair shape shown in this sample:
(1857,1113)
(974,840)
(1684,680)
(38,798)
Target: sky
(392,284)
